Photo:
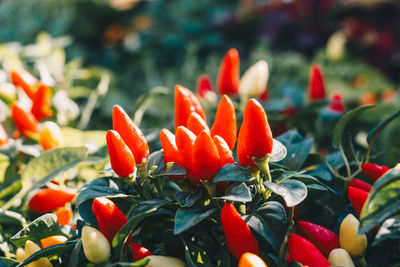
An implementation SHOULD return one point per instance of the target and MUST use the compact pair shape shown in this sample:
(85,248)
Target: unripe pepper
(357,198)
(203,85)
(168,145)
(373,171)
(3,136)
(360,184)
(303,251)
(164,261)
(50,136)
(48,199)
(41,103)
(22,78)
(254,81)
(225,154)
(255,136)
(20,255)
(30,249)
(206,161)
(196,124)
(337,104)
(322,238)
(109,217)
(131,134)
(95,245)
(185,103)
(349,238)
(225,121)
(64,215)
(340,257)
(184,139)
(26,123)
(251,260)
(121,157)
(316,87)
(238,236)
(53,240)
(139,252)
(228,74)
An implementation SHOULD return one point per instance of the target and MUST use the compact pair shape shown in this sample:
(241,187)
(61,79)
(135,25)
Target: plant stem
(285,240)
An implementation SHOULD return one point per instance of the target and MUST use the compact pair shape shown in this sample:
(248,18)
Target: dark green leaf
(383,201)
(314,183)
(292,191)
(233,172)
(390,229)
(148,205)
(7,262)
(187,200)
(313,159)
(58,250)
(44,226)
(11,217)
(189,217)
(279,152)
(171,169)
(238,193)
(298,148)
(140,263)
(342,123)
(155,159)
(380,126)
(74,257)
(269,222)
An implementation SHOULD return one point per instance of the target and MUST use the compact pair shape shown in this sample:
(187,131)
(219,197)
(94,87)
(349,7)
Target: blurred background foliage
(144,48)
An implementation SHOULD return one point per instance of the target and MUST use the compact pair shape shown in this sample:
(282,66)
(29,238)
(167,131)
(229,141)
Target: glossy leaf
(292,191)
(189,217)
(233,172)
(238,193)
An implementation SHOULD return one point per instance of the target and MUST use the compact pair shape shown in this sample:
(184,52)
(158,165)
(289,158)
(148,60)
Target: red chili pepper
(41,103)
(109,217)
(185,103)
(337,104)
(131,134)
(322,238)
(196,124)
(168,145)
(316,89)
(122,160)
(206,161)
(360,184)
(25,80)
(48,199)
(203,85)
(3,136)
(228,74)
(303,251)
(225,122)
(238,236)
(139,252)
(374,171)
(64,215)
(265,95)
(225,154)
(255,136)
(184,139)
(26,123)
(357,198)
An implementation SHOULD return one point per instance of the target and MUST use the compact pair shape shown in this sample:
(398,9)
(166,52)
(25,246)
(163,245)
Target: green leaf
(171,169)
(233,172)
(74,256)
(342,123)
(383,201)
(314,183)
(148,205)
(390,229)
(292,191)
(44,226)
(155,159)
(8,262)
(298,148)
(140,263)
(380,126)
(279,152)
(58,250)
(187,200)
(189,217)
(123,234)
(238,193)
(269,222)
(11,217)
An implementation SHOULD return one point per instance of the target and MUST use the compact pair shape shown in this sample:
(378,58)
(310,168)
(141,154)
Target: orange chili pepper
(64,215)
(41,103)
(185,141)
(26,123)
(206,160)
(196,124)
(122,160)
(168,145)
(131,134)
(224,151)
(316,88)
(185,103)
(228,74)
(53,240)
(25,80)
(48,199)
(225,122)
(50,136)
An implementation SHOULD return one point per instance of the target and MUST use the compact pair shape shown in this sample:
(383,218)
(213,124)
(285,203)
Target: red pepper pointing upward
(185,103)
(228,74)
(122,160)
(168,145)
(196,124)
(41,103)
(25,121)
(316,88)
(225,121)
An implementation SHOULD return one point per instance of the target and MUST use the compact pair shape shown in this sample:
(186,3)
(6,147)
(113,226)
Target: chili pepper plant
(222,185)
